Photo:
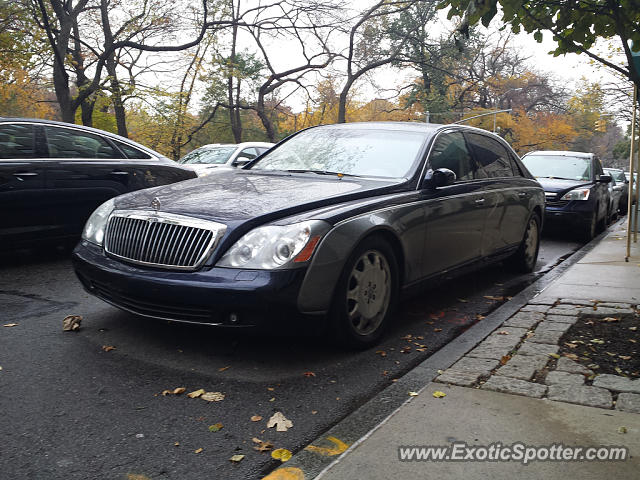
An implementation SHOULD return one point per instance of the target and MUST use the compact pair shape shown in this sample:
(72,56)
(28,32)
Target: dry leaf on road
(413,394)
(439,394)
(175,391)
(71,323)
(215,428)
(198,450)
(212,396)
(279,421)
(309,374)
(222,369)
(196,393)
(281,454)
(10,325)
(261,445)
(236,458)
(108,348)
(256,418)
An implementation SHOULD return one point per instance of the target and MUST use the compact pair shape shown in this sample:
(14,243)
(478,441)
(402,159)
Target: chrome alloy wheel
(368,292)
(531,242)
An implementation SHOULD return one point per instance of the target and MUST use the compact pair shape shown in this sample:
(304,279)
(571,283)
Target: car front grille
(160,239)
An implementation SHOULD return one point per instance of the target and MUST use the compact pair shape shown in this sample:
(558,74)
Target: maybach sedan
(332,225)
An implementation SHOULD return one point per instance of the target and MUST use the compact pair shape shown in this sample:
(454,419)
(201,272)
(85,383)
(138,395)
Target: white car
(205,159)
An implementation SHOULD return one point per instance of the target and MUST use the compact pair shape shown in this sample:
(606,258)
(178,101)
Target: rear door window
(450,151)
(70,143)
(492,157)
(17,141)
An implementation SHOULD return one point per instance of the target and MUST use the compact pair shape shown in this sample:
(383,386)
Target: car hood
(237,196)
(560,185)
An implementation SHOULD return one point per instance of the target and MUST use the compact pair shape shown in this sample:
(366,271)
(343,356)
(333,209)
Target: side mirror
(604,178)
(241,161)
(440,177)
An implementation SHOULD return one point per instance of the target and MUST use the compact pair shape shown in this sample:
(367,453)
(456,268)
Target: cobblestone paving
(514,357)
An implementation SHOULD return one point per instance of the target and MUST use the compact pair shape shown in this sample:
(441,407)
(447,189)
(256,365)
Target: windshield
(558,166)
(618,175)
(215,155)
(349,151)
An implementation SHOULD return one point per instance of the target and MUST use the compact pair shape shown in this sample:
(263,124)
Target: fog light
(233,318)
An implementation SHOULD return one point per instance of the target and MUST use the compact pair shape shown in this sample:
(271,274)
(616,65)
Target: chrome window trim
(218,230)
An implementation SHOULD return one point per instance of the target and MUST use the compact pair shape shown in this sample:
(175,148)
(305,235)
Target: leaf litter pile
(605,345)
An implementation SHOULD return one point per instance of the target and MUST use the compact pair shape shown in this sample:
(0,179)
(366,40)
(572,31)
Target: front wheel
(525,258)
(365,295)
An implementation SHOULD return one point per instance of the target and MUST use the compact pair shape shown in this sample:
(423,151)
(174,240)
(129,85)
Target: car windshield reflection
(370,153)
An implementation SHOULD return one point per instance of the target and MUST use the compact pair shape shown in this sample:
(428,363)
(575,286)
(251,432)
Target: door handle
(480,201)
(25,174)
(119,172)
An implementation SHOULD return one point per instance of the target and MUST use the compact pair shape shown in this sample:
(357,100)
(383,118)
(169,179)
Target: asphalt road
(71,410)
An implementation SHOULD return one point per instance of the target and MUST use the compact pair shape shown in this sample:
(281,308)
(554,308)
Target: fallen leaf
(407,337)
(272,399)
(413,394)
(622,430)
(224,368)
(571,345)
(279,421)
(611,354)
(554,355)
(597,341)
(212,396)
(177,444)
(491,297)
(175,391)
(437,329)
(382,353)
(462,300)
(313,412)
(236,458)
(505,359)
(633,329)
(309,374)
(215,427)
(503,332)
(10,325)
(421,349)
(610,319)
(480,317)
(256,418)
(71,323)
(406,349)
(623,357)
(196,393)
(619,370)
(108,348)
(262,446)
(439,394)
(571,356)
(198,450)
(281,454)
(271,389)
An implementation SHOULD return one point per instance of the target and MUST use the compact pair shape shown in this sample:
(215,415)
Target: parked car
(53,175)
(632,185)
(619,188)
(216,155)
(576,190)
(333,222)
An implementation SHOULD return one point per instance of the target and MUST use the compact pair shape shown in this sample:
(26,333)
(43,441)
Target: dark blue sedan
(332,225)
(575,187)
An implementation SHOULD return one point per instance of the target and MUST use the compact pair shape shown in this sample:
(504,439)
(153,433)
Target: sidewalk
(518,386)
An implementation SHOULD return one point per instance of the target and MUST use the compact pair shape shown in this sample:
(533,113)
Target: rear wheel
(365,295)
(525,258)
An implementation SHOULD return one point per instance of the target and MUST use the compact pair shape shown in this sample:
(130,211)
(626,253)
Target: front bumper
(568,214)
(215,296)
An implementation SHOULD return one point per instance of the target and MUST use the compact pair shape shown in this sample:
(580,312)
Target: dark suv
(575,188)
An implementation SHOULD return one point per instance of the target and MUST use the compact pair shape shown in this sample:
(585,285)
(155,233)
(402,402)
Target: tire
(602,224)
(589,230)
(525,258)
(623,206)
(365,295)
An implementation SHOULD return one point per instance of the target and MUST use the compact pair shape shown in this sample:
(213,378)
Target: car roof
(81,127)
(238,145)
(562,153)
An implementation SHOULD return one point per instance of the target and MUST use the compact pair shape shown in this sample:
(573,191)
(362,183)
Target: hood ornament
(155,203)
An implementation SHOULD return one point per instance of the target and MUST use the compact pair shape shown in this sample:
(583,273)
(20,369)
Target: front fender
(406,225)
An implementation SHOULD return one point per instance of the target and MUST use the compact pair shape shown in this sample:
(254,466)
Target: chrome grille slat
(162,240)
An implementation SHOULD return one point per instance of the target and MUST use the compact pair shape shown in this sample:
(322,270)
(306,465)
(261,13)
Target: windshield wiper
(321,172)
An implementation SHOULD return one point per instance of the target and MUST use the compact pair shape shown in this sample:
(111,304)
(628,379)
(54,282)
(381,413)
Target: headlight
(94,228)
(577,194)
(274,246)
